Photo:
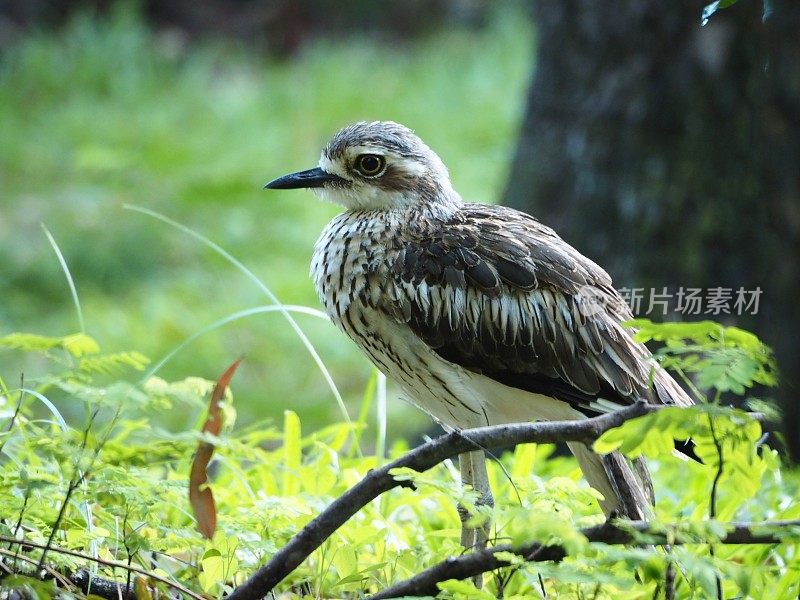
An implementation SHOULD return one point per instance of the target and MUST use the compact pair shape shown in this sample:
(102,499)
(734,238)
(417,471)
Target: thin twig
(128,553)
(712,506)
(468,565)
(74,482)
(31,561)
(82,579)
(113,564)
(24,506)
(16,409)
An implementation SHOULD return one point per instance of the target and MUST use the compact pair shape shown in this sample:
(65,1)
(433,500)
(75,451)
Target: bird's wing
(500,294)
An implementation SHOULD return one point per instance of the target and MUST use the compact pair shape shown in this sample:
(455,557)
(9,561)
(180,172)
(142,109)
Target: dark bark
(670,152)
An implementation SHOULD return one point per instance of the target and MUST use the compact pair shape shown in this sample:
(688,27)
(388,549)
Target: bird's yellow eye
(370,165)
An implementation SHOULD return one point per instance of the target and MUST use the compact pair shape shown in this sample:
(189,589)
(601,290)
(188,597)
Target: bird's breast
(350,261)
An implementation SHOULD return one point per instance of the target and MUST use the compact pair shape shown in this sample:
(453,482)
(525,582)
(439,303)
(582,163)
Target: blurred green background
(103,110)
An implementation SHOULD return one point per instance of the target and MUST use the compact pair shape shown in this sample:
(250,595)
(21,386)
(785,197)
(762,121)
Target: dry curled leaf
(200,496)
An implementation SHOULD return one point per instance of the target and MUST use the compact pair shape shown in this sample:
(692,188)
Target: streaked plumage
(481,313)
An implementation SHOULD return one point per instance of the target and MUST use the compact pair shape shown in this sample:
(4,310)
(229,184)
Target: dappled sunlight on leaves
(269,482)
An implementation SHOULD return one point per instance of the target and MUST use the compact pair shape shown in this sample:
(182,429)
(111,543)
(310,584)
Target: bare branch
(10,567)
(82,579)
(108,563)
(469,565)
(422,458)
(104,588)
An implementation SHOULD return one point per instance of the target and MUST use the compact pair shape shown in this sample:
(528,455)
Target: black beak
(312,178)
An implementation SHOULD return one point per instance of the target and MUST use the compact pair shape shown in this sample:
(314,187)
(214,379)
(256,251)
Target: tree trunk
(670,153)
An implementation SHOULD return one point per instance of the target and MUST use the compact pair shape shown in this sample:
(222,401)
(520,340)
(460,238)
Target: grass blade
(68,276)
(229,319)
(258,283)
(51,407)
(292,453)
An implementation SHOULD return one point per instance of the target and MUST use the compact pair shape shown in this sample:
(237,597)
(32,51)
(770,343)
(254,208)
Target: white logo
(590,300)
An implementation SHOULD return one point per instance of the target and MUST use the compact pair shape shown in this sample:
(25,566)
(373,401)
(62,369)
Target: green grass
(108,112)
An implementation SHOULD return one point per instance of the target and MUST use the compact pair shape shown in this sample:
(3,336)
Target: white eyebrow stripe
(408,166)
(331,166)
(356,150)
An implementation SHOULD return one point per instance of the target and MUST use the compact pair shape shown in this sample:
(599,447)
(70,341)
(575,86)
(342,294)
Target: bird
(482,314)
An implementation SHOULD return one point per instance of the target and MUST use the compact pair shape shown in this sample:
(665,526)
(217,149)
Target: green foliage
(132,498)
(739,359)
(719,434)
(77,345)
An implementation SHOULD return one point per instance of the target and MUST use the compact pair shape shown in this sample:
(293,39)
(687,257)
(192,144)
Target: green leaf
(699,332)
(654,434)
(113,363)
(713,7)
(768,408)
(80,344)
(703,573)
(547,529)
(212,573)
(726,359)
(524,459)
(29,587)
(29,342)
(345,560)
(509,557)
(651,434)
(291,453)
(464,589)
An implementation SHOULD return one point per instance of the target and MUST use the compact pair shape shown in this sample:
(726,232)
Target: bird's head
(374,166)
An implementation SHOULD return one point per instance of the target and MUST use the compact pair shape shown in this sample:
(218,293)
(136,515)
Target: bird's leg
(474,474)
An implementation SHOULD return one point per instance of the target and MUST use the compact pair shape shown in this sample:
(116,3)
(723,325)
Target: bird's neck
(427,209)
(440,209)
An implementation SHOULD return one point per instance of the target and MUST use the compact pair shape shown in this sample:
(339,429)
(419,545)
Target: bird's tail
(626,487)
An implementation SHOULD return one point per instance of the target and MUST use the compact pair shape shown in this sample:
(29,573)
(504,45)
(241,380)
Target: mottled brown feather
(531,332)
